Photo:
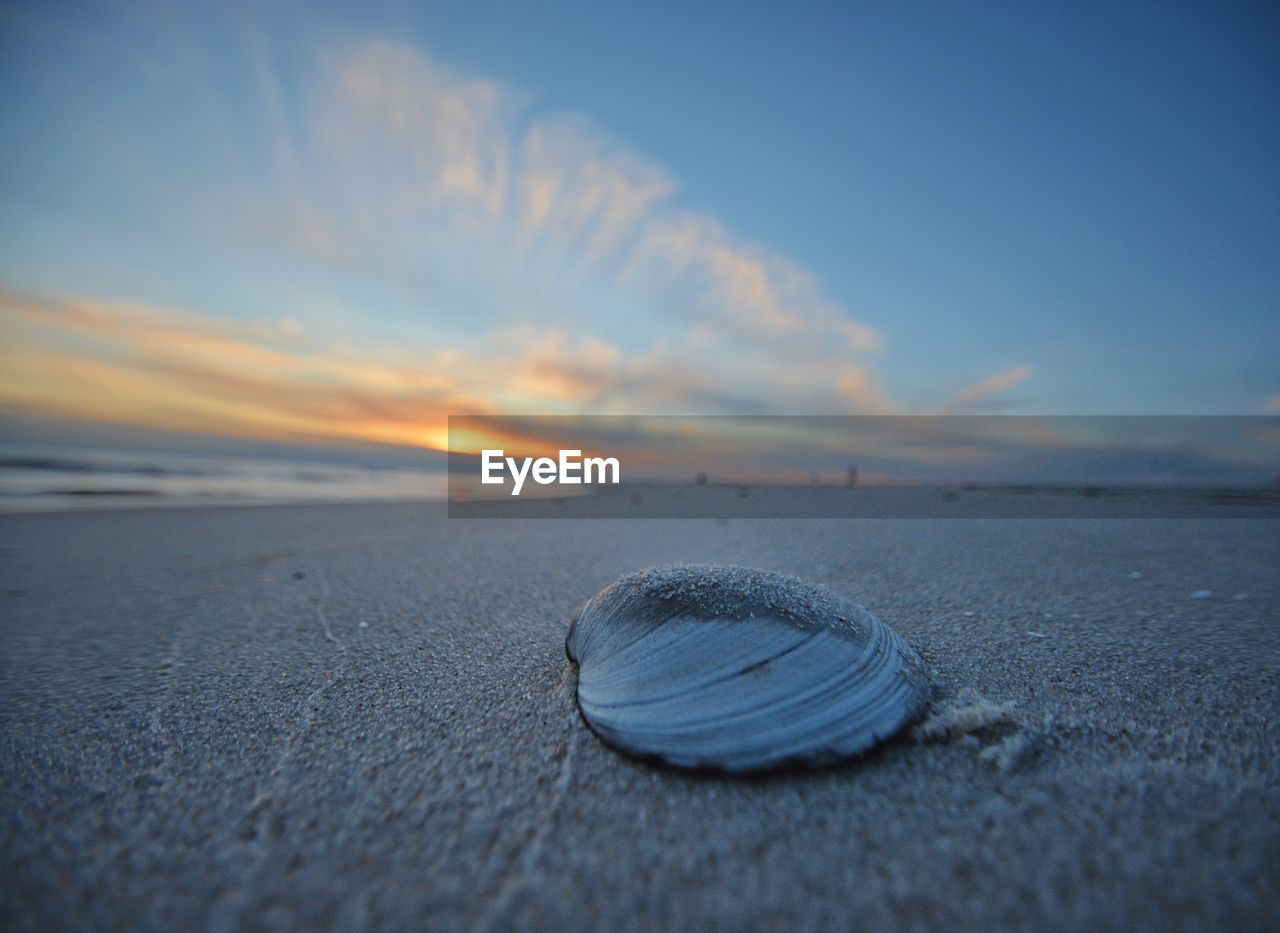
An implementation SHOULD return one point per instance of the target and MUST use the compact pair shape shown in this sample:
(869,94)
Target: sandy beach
(342,717)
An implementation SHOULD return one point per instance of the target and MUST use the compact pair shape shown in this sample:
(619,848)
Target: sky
(317,224)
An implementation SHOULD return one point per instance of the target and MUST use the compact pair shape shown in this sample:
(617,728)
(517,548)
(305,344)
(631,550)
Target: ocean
(40,478)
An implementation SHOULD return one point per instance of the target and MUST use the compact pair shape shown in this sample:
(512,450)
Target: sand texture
(344,717)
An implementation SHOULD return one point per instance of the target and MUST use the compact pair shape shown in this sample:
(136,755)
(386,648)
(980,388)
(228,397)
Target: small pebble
(363,625)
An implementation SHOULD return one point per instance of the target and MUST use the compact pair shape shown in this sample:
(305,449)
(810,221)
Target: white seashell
(723,667)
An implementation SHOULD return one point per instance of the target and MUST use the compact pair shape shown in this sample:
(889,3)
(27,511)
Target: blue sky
(439,208)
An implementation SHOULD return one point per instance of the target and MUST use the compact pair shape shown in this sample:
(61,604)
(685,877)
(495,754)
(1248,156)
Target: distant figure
(701,478)
(852,478)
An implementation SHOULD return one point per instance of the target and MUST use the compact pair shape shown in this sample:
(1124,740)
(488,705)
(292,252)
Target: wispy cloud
(981,392)
(538,267)
(428,146)
(407,158)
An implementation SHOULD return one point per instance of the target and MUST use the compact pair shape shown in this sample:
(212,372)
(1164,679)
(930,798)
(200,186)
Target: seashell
(720,667)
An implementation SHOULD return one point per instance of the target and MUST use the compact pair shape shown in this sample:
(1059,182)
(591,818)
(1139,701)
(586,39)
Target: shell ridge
(592,679)
(626,600)
(800,707)
(618,666)
(806,739)
(720,679)
(813,703)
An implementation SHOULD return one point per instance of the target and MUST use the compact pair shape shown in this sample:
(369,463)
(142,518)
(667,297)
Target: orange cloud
(135,364)
(147,366)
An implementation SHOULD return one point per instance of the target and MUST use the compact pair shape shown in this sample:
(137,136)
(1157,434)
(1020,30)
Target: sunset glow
(315,232)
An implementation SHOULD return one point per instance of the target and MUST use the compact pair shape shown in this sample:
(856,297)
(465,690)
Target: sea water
(37,477)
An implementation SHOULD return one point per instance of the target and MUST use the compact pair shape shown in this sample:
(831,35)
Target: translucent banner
(864,466)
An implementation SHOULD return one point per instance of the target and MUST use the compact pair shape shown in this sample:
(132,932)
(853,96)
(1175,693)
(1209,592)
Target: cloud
(536,267)
(982,390)
(146,366)
(1271,405)
(446,171)
(748,292)
(127,363)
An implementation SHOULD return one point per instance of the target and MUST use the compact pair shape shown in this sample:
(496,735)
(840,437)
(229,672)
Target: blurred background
(263,251)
